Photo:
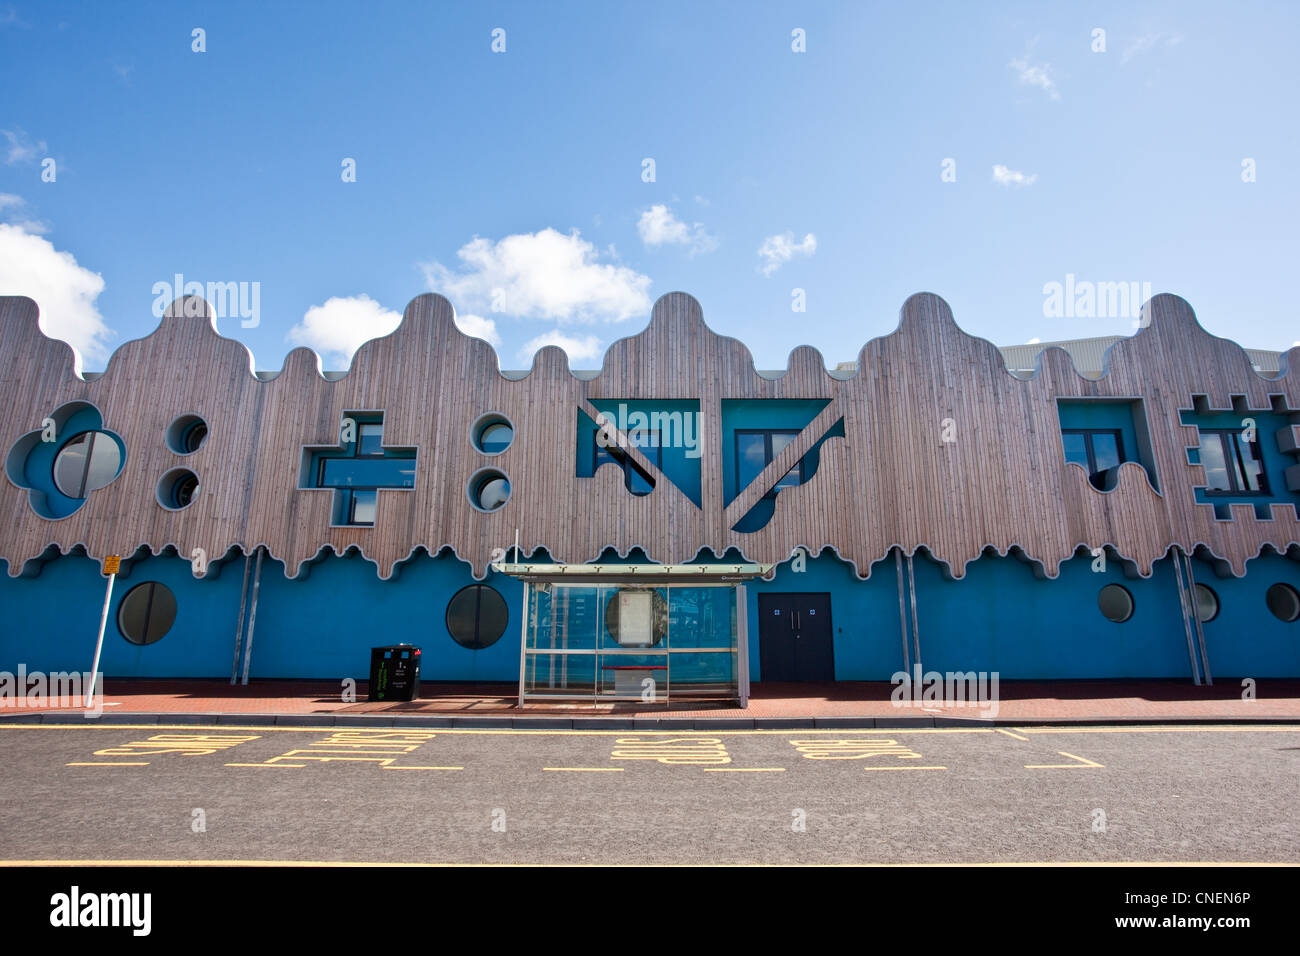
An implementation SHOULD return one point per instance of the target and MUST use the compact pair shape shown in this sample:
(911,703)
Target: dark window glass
(183,490)
(495,438)
(146,613)
(1233,465)
(1207,603)
(756,449)
(86,462)
(492,492)
(1115,603)
(1284,601)
(1076,449)
(193,437)
(477,616)
(367,472)
(363,506)
(370,438)
(1099,450)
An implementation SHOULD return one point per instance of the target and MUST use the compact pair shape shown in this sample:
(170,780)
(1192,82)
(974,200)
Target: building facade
(931,505)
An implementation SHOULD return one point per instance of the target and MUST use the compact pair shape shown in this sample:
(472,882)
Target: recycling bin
(395,672)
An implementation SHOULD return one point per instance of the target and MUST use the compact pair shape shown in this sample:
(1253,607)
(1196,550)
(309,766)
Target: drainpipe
(1196,619)
(902,611)
(239,625)
(1182,602)
(252,617)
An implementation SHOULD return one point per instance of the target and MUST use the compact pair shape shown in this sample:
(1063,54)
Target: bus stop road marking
(586,769)
(744,769)
(904,768)
(422,768)
(289,766)
(121,763)
(1086,763)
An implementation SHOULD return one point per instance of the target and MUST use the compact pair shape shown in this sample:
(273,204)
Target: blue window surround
(634,477)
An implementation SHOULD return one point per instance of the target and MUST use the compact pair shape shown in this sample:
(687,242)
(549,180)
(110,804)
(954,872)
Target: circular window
(87,461)
(1116,603)
(492,434)
(636,617)
(488,489)
(146,613)
(1207,603)
(1284,601)
(177,489)
(185,435)
(477,616)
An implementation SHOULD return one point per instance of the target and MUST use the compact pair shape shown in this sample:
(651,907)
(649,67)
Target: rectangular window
(1233,466)
(362,510)
(370,438)
(367,473)
(755,450)
(1098,450)
(634,477)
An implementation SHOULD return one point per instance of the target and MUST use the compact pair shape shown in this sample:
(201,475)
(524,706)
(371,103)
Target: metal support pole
(1182,603)
(252,616)
(916,633)
(1196,617)
(239,625)
(742,647)
(99,644)
(902,611)
(523,646)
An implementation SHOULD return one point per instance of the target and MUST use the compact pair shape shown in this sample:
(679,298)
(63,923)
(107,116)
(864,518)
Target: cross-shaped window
(357,467)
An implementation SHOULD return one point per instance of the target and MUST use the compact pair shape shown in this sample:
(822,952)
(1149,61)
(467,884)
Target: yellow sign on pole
(111,563)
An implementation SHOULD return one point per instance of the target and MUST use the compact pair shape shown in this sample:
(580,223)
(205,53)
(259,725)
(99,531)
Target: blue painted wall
(1276,462)
(1103,413)
(999,618)
(675,458)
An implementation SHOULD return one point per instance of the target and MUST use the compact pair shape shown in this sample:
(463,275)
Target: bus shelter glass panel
(627,641)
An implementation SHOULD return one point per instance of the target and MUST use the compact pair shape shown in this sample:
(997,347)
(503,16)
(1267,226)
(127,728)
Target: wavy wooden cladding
(891,480)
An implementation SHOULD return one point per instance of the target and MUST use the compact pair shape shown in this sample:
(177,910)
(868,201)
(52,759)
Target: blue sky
(513,181)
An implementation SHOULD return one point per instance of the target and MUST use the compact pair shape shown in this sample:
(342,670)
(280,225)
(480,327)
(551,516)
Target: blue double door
(794,637)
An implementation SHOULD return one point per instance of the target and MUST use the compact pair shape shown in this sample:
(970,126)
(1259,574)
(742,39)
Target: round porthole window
(492,434)
(1115,603)
(146,613)
(177,489)
(1284,601)
(477,616)
(85,462)
(488,489)
(1207,603)
(186,435)
(636,617)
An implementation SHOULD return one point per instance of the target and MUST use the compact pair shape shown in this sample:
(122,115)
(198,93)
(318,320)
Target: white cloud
(777,250)
(20,148)
(1146,42)
(1035,74)
(1012,177)
(65,291)
(479,327)
(340,326)
(658,226)
(1034,341)
(545,275)
(582,348)
(32,227)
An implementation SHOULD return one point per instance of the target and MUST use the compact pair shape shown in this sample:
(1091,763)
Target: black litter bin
(395,672)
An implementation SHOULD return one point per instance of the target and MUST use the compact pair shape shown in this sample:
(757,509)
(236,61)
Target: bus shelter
(649,633)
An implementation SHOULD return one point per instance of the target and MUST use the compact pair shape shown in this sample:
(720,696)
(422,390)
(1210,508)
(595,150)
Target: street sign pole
(111,564)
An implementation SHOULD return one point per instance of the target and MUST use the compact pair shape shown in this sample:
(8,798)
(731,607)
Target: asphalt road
(119,793)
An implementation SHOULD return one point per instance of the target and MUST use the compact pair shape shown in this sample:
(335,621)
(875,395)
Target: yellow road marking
(744,769)
(422,768)
(587,769)
(904,768)
(287,765)
(105,763)
(1009,733)
(1064,766)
